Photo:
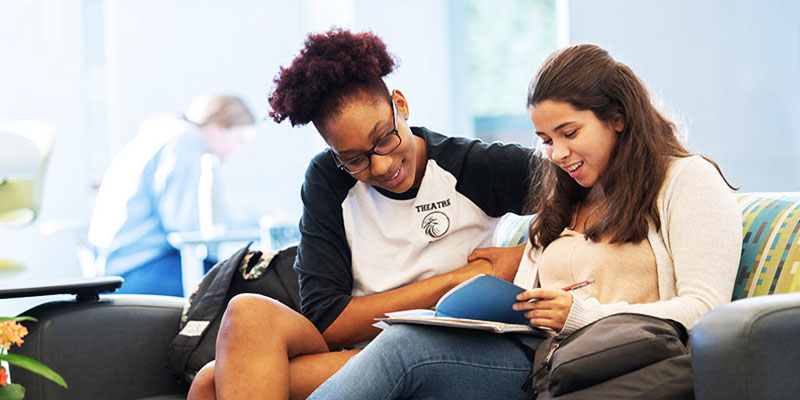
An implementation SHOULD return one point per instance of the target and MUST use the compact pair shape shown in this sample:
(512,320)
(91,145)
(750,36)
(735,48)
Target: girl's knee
(402,342)
(248,309)
(207,372)
(414,344)
(396,334)
(251,315)
(203,384)
(248,304)
(407,335)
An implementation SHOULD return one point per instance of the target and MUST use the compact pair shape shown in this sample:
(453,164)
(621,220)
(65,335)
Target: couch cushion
(770,261)
(111,348)
(512,230)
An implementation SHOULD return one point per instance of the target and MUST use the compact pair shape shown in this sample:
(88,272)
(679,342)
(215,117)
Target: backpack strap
(540,362)
(283,265)
(210,298)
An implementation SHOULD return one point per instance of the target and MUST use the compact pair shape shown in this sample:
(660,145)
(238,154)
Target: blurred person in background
(162,182)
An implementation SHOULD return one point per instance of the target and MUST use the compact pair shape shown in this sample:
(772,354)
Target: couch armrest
(748,349)
(83,289)
(112,348)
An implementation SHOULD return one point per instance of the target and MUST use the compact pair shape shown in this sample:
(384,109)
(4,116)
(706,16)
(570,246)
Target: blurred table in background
(195,247)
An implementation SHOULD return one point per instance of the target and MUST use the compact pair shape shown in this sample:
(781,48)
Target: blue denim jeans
(423,362)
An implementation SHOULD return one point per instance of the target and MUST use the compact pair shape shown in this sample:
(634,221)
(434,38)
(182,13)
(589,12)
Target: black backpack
(270,274)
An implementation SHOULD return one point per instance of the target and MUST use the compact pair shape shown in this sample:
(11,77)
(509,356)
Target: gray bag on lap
(620,356)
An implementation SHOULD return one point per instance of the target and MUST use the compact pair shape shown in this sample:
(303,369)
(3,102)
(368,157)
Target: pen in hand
(567,289)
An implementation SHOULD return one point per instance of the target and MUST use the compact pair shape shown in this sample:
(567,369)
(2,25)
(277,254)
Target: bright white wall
(41,77)
(97,68)
(731,68)
(195,47)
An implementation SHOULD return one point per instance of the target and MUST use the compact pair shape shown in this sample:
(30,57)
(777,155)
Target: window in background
(506,41)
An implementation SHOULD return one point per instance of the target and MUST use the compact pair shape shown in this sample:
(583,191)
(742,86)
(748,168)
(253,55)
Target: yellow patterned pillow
(770,260)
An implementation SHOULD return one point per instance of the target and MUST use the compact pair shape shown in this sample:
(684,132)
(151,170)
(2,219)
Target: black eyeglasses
(387,144)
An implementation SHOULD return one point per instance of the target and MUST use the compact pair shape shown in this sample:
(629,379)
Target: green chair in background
(24,151)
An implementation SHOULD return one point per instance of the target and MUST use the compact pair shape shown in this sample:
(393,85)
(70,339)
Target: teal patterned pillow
(770,260)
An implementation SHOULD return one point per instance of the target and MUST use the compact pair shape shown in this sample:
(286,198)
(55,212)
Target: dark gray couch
(105,347)
(115,347)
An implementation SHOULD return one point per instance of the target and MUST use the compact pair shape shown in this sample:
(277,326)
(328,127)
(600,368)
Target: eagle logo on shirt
(435,224)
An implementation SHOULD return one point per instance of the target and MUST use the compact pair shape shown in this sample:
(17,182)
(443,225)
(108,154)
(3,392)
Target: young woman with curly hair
(391,214)
(618,199)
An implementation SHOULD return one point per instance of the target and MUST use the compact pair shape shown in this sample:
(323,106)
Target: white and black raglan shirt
(358,239)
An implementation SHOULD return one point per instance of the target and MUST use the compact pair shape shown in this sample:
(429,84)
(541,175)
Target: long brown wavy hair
(588,78)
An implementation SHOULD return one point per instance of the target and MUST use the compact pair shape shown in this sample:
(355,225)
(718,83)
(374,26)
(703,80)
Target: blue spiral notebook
(483,302)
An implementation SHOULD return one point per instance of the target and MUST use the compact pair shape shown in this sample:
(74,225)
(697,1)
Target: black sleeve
(323,256)
(495,176)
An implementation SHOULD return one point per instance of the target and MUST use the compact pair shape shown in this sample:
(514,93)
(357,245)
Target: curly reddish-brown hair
(330,68)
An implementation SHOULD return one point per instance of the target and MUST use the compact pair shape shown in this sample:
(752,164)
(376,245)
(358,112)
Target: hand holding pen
(567,289)
(548,307)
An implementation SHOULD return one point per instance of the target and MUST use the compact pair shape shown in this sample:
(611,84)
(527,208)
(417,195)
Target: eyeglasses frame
(368,154)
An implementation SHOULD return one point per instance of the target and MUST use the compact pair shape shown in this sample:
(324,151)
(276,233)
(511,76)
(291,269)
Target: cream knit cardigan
(697,250)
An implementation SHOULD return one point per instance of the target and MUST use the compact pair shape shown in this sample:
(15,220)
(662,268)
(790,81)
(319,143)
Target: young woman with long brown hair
(618,200)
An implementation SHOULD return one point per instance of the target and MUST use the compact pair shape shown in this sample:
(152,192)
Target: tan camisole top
(621,272)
